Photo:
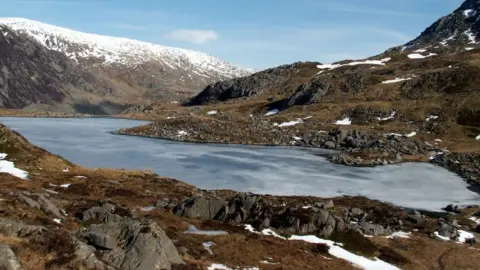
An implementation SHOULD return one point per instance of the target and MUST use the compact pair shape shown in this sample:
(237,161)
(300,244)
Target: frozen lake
(272,170)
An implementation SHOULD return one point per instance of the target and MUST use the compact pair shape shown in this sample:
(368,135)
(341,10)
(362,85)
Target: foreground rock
(8,260)
(132,244)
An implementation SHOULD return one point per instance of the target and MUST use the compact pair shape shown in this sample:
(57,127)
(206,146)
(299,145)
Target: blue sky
(250,33)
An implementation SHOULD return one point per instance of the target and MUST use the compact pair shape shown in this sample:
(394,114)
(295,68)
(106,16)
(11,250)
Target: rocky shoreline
(355,148)
(68,217)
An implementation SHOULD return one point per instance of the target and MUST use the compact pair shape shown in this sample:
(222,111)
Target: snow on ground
(469,48)
(398,80)
(308,117)
(81,177)
(399,235)
(392,116)
(182,133)
(207,246)
(211,112)
(444,42)
(289,124)
(475,219)
(57,220)
(411,134)
(147,208)
(296,138)
(420,51)
(335,249)
(272,112)
(438,140)
(441,237)
(477,138)
(193,230)
(217,266)
(339,252)
(431,117)
(420,56)
(65,185)
(9,167)
(65,170)
(471,36)
(463,236)
(380,62)
(468,13)
(344,122)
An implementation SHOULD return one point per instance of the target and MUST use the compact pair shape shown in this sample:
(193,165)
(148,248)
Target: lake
(258,169)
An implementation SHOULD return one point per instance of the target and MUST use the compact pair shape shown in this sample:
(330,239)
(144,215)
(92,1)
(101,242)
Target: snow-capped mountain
(110,51)
(44,65)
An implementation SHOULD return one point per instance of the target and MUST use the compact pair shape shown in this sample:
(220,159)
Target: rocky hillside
(63,216)
(48,67)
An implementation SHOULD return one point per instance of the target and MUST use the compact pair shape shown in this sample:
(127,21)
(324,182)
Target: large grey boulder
(200,207)
(132,244)
(8,260)
(86,254)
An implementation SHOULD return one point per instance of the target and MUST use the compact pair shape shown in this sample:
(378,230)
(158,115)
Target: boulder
(24,199)
(329,145)
(8,260)
(133,244)
(105,212)
(369,228)
(10,227)
(200,207)
(48,207)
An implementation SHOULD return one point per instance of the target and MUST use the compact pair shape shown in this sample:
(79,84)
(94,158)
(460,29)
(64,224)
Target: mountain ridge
(107,74)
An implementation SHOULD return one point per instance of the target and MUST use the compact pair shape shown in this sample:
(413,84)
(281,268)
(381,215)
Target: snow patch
(392,116)
(211,112)
(193,230)
(431,117)
(81,177)
(272,112)
(207,246)
(468,13)
(398,80)
(477,138)
(441,237)
(463,236)
(339,252)
(475,219)
(289,124)
(469,48)
(420,51)
(471,36)
(380,62)
(182,133)
(57,220)
(9,167)
(411,134)
(344,122)
(399,235)
(65,185)
(420,56)
(217,266)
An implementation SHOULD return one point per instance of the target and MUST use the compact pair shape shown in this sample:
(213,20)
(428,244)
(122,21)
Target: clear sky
(250,33)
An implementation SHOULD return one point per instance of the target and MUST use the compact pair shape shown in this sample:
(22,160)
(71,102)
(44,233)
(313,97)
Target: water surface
(272,170)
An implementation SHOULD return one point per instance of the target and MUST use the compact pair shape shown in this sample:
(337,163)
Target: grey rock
(140,244)
(356,212)
(415,218)
(106,212)
(321,217)
(200,207)
(325,205)
(48,207)
(86,254)
(399,157)
(24,199)
(100,240)
(329,145)
(369,228)
(10,227)
(448,231)
(8,260)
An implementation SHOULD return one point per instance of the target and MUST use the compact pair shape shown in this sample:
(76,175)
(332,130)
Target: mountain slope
(452,32)
(119,70)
